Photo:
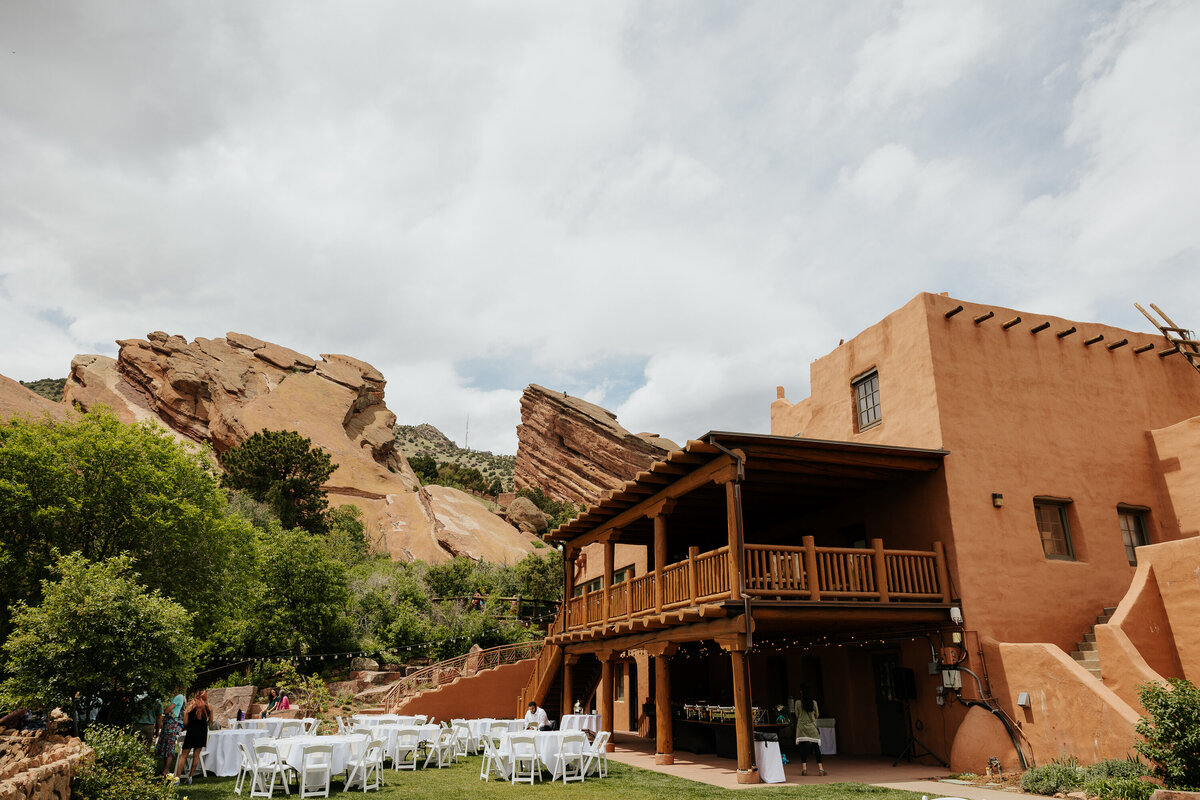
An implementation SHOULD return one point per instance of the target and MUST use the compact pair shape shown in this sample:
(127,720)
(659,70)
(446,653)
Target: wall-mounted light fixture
(997,500)
(1023,700)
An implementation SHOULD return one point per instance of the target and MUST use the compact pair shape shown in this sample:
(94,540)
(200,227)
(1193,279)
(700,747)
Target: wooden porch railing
(444,672)
(803,573)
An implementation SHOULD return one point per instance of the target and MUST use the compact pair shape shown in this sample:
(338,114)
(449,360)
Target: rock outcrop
(16,400)
(38,765)
(575,450)
(522,513)
(223,390)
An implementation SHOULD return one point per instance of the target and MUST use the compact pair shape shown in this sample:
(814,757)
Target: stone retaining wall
(36,765)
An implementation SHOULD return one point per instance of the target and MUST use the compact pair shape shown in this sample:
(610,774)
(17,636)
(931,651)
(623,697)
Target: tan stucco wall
(1177,448)
(1023,415)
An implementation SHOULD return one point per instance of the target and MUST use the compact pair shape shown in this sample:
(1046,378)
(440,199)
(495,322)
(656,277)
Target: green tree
(284,470)
(303,597)
(424,466)
(96,641)
(96,486)
(1171,729)
(540,576)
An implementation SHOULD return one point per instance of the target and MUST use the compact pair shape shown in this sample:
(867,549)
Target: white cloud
(473,196)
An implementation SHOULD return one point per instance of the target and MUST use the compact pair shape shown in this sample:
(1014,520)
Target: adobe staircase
(385,698)
(1085,652)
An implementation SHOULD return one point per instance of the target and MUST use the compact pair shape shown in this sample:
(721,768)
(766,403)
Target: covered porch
(747,539)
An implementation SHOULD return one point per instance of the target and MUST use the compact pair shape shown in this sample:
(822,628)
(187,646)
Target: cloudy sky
(668,208)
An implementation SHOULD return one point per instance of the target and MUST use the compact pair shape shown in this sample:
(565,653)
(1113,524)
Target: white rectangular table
(769,761)
(548,745)
(481,727)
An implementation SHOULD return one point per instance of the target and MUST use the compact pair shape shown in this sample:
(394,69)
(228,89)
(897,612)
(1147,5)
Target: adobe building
(974,538)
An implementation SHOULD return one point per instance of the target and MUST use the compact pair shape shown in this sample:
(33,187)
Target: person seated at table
(536,717)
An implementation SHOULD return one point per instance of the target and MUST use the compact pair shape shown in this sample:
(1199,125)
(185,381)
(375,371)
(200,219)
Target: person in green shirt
(807,735)
(149,719)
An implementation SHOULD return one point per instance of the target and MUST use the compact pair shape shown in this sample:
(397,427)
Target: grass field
(461,782)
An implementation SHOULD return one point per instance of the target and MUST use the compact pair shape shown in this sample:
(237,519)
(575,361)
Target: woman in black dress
(196,717)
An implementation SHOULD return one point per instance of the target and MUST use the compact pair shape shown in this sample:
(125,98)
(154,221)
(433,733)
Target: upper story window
(866,399)
(1133,530)
(1055,529)
(596,584)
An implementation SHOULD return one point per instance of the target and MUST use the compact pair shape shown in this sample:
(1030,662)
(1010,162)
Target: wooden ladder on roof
(1181,340)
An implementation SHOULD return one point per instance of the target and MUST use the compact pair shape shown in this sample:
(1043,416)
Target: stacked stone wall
(37,765)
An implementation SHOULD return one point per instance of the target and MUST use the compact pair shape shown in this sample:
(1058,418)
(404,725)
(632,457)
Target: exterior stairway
(1085,652)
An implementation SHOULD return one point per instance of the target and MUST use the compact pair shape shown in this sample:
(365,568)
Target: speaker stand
(914,747)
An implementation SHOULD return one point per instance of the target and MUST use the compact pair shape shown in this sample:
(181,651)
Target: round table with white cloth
(581,722)
(547,743)
(269,727)
(292,749)
(375,720)
(223,757)
(482,727)
(387,733)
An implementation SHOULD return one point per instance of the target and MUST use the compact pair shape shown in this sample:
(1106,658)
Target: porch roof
(788,465)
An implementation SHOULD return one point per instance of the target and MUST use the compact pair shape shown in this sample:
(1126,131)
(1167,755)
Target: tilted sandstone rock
(16,400)
(575,450)
(223,390)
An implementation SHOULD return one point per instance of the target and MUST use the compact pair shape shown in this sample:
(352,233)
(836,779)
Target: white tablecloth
(481,727)
(270,725)
(769,761)
(292,749)
(375,720)
(547,743)
(828,732)
(581,722)
(223,757)
(388,733)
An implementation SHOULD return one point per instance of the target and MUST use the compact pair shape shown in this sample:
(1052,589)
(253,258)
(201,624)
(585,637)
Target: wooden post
(568,687)
(943,571)
(606,695)
(881,578)
(568,585)
(606,598)
(660,560)
(735,550)
(693,576)
(664,749)
(742,709)
(811,578)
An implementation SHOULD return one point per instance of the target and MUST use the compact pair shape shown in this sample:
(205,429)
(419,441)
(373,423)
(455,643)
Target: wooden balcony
(805,574)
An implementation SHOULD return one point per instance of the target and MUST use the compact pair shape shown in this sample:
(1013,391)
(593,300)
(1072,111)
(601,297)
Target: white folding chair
(404,751)
(316,770)
(497,731)
(187,767)
(369,763)
(343,728)
(268,762)
(493,761)
(441,749)
(462,739)
(523,747)
(421,719)
(289,728)
(310,725)
(572,752)
(597,756)
(245,768)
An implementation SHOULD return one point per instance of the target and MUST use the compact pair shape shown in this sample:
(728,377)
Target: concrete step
(1089,637)
(1110,610)
(1085,646)
(1103,618)
(1088,659)
(1095,672)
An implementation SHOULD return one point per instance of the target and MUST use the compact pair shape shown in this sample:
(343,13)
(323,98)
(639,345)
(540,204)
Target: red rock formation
(575,450)
(16,400)
(223,390)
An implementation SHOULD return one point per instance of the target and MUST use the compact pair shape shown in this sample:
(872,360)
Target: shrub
(1119,788)
(122,769)
(1117,768)
(1057,776)
(1172,731)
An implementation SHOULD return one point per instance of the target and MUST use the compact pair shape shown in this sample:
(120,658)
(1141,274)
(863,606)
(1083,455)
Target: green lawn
(461,782)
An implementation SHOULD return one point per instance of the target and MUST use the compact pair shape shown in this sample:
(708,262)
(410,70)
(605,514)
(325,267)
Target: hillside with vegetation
(49,388)
(424,442)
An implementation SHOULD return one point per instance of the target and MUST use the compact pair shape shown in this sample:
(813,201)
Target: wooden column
(811,578)
(664,750)
(693,576)
(660,560)
(606,597)
(569,555)
(733,525)
(880,569)
(605,694)
(943,570)
(568,684)
(743,710)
